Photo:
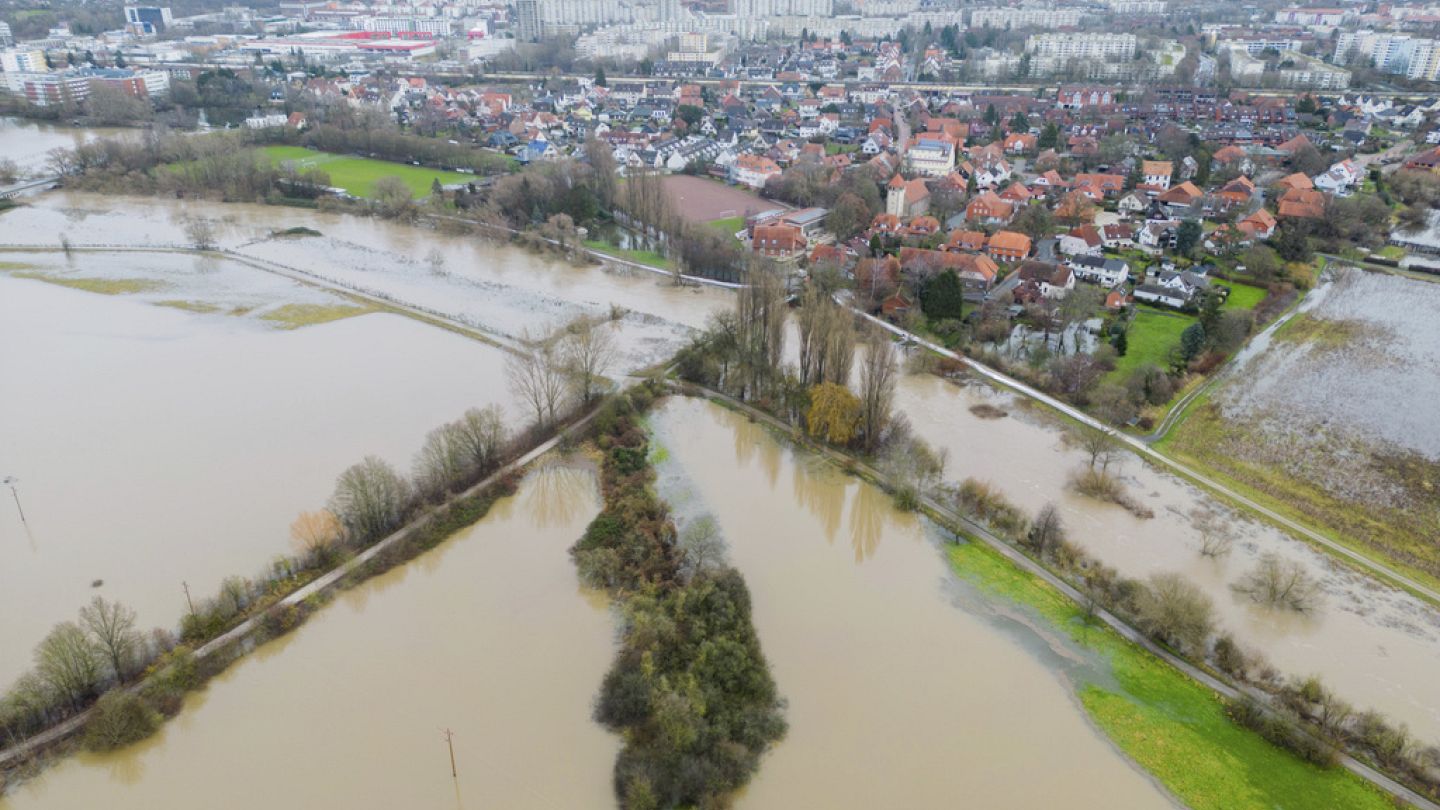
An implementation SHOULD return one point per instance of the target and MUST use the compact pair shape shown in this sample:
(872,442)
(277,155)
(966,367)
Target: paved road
(1144,450)
(1112,621)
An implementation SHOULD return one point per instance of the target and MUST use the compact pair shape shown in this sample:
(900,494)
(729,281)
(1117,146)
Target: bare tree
(760,328)
(393,197)
(1047,532)
(877,387)
(537,378)
(1216,533)
(200,233)
(9,172)
(1100,447)
(482,436)
(589,352)
(1282,583)
(112,627)
(827,338)
(1172,609)
(702,546)
(68,662)
(443,462)
(370,499)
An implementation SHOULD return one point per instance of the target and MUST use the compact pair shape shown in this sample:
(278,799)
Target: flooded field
(488,635)
(905,687)
(503,290)
(28,143)
(1337,418)
(1390,641)
(157,446)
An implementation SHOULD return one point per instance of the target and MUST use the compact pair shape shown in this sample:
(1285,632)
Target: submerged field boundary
(974,531)
(336,578)
(1376,568)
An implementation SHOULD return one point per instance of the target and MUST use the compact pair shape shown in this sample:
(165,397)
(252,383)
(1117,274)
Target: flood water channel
(489,635)
(156,446)
(905,686)
(1376,646)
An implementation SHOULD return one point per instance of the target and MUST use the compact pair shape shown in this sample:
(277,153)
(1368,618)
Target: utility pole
(11,481)
(188,601)
(450,741)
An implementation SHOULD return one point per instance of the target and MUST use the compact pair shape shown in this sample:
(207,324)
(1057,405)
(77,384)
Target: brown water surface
(489,635)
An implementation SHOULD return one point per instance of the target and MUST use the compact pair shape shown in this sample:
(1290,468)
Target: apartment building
(1025,17)
(1082,46)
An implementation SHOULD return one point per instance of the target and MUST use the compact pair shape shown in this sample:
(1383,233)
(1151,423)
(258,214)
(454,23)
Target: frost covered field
(1338,416)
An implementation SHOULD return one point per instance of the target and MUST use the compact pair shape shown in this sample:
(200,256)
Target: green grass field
(1149,339)
(1176,729)
(730,225)
(358,175)
(1244,296)
(646,257)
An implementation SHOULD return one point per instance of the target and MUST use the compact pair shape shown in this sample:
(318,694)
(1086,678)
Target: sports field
(358,175)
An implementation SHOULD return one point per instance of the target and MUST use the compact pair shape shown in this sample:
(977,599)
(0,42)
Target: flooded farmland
(1391,640)
(505,291)
(488,635)
(904,685)
(157,446)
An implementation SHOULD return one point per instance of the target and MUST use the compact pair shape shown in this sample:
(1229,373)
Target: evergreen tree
(943,297)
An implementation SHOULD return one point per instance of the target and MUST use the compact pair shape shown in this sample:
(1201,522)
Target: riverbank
(1162,734)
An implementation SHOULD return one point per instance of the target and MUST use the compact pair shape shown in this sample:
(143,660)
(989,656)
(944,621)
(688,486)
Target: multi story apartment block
(1024,17)
(1082,46)
(23,60)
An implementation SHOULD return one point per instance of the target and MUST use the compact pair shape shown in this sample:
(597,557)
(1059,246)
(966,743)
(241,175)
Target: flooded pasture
(905,687)
(156,446)
(488,635)
(501,289)
(1391,641)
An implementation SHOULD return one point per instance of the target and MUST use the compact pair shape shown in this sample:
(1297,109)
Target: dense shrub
(119,718)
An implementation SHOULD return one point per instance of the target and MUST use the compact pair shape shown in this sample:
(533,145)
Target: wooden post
(450,741)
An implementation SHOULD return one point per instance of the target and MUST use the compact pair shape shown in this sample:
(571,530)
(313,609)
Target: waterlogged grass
(649,258)
(294,316)
(358,175)
(104,286)
(202,307)
(1176,729)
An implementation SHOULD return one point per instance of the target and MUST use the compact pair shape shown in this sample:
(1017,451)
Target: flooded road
(28,143)
(488,635)
(1375,646)
(905,688)
(156,446)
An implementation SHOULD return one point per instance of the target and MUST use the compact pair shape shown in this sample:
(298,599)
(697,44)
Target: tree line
(690,690)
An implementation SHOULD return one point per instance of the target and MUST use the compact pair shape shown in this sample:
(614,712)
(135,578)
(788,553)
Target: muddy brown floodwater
(1376,646)
(905,687)
(28,143)
(489,635)
(156,446)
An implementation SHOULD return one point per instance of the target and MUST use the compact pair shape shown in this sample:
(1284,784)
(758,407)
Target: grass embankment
(294,316)
(1175,728)
(358,175)
(648,258)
